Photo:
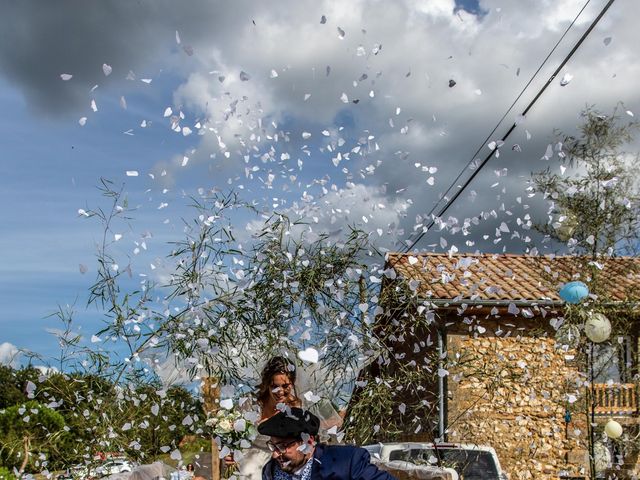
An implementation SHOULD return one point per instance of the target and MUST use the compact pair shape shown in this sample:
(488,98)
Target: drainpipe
(441,387)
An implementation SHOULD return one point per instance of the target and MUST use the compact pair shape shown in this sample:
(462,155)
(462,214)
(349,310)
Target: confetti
(566,79)
(309,355)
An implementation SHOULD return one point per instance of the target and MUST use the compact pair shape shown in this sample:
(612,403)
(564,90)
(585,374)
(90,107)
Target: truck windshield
(470,464)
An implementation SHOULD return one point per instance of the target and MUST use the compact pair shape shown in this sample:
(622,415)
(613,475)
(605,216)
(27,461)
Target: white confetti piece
(176,455)
(82,121)
(311,397)
(94,107)
(31,388)
(167,112)
(95,339)
(185,160)
(123,103)
(566,79)
(146,80)
(306,135)
(227,403)
(66,76)
(106,69)
(344,98)
(132,173)
(273,74)
(309,355)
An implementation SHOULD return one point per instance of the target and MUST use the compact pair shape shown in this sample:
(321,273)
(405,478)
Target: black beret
(290,424)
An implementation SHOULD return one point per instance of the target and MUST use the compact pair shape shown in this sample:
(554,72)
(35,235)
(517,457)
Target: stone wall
(512,394)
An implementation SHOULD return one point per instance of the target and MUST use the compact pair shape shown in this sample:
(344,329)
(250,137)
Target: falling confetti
(566,79)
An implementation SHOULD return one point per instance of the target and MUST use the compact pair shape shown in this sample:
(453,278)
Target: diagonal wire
(513,126)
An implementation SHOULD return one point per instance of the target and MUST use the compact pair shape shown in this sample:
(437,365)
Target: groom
(296,455)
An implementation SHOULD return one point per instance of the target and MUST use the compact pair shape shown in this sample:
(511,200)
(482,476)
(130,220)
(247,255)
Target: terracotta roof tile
(513,277)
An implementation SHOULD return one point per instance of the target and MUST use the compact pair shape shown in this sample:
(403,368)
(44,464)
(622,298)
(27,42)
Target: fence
(615,399)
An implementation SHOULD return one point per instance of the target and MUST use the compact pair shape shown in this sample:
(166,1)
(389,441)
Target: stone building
(503,377)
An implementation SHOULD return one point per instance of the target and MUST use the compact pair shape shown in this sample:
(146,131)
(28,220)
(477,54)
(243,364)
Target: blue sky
(396,63)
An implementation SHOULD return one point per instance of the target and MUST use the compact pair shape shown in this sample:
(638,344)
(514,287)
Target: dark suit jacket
(338,462)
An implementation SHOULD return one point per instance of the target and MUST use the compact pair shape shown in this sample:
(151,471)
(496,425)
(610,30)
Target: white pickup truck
(470,462)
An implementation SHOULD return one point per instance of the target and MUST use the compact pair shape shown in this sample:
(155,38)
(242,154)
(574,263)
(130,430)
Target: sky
(359,112)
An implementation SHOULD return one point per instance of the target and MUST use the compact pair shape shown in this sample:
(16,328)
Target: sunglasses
(280,447)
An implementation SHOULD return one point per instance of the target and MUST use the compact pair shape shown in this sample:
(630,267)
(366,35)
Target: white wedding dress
(254,458)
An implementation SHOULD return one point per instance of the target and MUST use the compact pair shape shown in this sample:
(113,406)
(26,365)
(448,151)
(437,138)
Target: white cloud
(397,60)
(9,354)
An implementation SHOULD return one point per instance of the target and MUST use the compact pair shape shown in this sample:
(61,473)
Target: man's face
(291,453)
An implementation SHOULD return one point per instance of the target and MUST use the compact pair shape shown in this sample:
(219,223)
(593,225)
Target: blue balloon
(574,292)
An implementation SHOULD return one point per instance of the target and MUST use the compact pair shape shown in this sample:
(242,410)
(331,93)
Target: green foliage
(6,474)
(27,429)
(93,415)
(11,391)
(596,205)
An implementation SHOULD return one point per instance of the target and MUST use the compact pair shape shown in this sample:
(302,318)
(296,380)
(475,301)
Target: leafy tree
(28,429)
(595,208)
(11,391)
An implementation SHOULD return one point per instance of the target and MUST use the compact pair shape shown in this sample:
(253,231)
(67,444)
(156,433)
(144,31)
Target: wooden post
(211,403)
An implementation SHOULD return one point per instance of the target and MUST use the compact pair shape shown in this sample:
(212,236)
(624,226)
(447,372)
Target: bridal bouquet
(233,429)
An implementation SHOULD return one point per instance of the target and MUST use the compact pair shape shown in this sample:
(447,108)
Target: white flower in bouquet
(224,426)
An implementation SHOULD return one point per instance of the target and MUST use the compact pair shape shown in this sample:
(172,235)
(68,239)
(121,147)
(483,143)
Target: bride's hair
(277,365)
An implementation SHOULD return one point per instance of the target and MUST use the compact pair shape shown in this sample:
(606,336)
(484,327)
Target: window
(613,361)
(470,464)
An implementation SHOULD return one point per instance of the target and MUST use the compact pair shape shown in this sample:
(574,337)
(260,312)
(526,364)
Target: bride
(277,388)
